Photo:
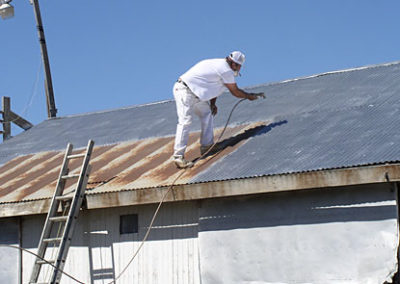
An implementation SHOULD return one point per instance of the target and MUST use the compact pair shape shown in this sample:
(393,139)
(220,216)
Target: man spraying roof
(196,92)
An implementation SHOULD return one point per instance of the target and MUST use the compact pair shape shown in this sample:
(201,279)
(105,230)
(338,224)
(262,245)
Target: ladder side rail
(68,232)
(53,209)
(76,204)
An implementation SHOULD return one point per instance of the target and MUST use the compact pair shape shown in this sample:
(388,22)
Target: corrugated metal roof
(339,119)
(122,166)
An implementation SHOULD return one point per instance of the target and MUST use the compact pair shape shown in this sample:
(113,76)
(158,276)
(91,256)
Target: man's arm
(239,93)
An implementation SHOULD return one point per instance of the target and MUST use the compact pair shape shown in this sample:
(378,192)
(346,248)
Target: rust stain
(124,157)
(166,173)
(40,172)
(24,165)
(144,161)
(49,180)
(160,171)
(22,175)
(11,164)
(127,165)
(200,165)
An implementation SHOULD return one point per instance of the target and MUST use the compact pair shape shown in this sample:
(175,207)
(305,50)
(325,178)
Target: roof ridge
(371,66)
(247,87)
(110,110)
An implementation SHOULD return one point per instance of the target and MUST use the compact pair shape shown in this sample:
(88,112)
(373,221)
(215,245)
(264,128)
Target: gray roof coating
(332,120)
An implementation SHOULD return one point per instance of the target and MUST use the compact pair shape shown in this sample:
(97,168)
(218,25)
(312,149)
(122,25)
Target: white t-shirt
(206,79)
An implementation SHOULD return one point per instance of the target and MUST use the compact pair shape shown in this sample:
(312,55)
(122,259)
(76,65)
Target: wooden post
(6,118)
(49,84)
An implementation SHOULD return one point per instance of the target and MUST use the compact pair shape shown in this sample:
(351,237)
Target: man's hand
(239,93)
(214,110)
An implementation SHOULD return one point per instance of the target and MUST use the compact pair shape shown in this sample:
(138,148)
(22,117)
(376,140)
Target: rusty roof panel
(155,169)
(128,165)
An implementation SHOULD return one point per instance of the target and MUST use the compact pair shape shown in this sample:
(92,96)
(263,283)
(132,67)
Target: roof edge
(239,187)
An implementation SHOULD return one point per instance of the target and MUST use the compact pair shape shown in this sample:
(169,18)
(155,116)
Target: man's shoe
(181,163)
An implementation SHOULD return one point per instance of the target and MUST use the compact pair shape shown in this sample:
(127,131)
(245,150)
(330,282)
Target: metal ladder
(70,205)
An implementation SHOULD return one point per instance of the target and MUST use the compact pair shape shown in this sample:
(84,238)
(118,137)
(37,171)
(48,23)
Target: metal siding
(98,252)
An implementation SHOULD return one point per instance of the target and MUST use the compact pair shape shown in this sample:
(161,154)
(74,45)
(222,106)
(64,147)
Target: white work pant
(187,104)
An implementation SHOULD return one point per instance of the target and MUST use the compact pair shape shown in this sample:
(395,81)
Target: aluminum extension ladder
(71,204)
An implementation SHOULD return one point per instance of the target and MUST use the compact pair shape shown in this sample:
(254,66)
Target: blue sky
(106,55)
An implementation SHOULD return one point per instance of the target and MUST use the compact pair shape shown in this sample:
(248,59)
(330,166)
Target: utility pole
(51,105)
(11,117)
(6,12)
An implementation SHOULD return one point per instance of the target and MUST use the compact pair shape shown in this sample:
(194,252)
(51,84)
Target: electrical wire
(31,97)
(168,190)
(28,251)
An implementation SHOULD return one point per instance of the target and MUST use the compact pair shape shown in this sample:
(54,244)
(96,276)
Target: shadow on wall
(320,206)
(101,257)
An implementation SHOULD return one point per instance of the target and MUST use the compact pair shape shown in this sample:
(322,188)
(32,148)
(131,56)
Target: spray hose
(169,189)
(155,212)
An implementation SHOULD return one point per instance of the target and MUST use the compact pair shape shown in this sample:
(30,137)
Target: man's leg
(202,109)
(184,106)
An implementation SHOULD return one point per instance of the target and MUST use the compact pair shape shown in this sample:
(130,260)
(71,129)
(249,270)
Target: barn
(304,191)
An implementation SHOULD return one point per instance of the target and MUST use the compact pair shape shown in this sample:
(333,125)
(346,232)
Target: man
(196,91)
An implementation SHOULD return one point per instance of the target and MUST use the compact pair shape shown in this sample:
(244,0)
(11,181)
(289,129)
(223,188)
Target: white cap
(237,57)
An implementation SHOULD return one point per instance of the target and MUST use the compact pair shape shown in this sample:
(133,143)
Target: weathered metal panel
(237,187)
(129,165)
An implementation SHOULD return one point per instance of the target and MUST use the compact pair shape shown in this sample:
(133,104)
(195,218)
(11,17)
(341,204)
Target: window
(128,224)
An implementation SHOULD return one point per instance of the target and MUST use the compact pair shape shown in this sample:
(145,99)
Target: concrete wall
(342,235)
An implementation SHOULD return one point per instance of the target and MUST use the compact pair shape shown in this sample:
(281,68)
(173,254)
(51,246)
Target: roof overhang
(226,188)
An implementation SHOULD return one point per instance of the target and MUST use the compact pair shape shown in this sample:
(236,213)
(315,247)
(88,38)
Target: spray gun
(259,95)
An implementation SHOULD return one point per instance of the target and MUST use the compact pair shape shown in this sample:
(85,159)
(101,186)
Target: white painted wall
(9,257)
(327,236)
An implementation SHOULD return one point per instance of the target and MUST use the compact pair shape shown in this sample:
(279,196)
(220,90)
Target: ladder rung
(76,156)
(59,219)
(70,176)
(52,240)
(63,197)
(52,261)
